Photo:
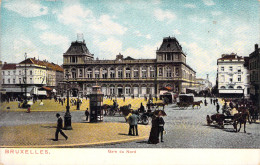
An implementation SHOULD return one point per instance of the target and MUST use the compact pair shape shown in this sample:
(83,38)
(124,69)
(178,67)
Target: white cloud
(54,39)
(41,26)
(75,15)
(204,62)
(24,45)
(197,19)
(208,2)
(105,25)
(216,13)
(162,15)
(242,29)
(84,19)
(109,48)
(139,34)
(189,5)
(146,51)
(176,32)
(28,8)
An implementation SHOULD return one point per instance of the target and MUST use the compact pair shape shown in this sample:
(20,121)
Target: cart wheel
(145,120)
(208,120)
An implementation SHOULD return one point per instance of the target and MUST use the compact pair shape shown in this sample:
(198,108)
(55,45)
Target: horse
(106,107)
(196,103)
(219,118)
(160,105)
(241,119)
(245,110)
(125,109)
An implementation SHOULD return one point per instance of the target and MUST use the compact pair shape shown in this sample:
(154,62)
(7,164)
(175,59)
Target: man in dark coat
(59,128)
(87,114)
(133,121)
(217,108)
(161,126)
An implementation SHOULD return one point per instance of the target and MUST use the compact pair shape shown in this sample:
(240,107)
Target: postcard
(129,82)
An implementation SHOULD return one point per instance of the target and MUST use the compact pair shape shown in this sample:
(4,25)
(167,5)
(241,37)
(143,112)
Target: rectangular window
(239,78)
(160,71)
(14,72)
(13,81)
(222,68)
(80,72)
(31,80)
(8,72)
(9,81)
(3,73)
(239,69)
(230,80)
(177,72)
(230,68)
(3,81)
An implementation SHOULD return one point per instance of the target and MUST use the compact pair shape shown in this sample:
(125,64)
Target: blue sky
(205,28)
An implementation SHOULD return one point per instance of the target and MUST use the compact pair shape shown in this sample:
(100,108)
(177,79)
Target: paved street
(185,128)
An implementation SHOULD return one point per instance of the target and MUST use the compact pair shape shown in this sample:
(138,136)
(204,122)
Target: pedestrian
(218,108)
(231,105)
(87,114)
(59,128)
(133,121)
(205,102)
(154,133)
(141,109)
(161,125)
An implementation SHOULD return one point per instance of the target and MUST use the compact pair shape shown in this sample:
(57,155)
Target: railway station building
(126,76)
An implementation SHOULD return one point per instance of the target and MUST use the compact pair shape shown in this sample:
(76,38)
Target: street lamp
(67,117)
(25,80)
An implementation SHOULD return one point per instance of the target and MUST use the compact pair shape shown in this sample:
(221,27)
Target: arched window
(222,87)
(73,72)
(136,72)
(168,72)
(89,73)
(239,87)
(144,72)
(230,87)
(112,73)
(127,72)
(120,73)
(104,73)
(152,72)
(97,72)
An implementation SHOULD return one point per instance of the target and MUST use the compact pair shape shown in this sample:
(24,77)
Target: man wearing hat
(59,128)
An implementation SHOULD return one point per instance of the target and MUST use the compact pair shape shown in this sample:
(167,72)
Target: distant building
(39,74)
(233,76)
(254,68)
(201,85)
(129,76)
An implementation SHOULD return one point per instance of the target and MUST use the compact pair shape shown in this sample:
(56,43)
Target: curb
(80,145)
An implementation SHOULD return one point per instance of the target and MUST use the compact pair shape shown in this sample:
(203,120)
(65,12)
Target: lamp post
(67,117)
(25,81)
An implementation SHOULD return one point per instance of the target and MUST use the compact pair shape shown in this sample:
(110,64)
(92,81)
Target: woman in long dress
(154,134)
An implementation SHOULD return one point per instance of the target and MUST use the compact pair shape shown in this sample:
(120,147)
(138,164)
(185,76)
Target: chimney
(256,47)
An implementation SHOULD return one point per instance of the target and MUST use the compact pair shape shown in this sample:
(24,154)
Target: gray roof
(170,44)
(78,48)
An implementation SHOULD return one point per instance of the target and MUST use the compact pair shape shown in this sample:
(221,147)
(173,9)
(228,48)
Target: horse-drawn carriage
(185,100)
(227,118)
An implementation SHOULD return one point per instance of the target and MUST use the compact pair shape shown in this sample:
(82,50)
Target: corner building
(128,76)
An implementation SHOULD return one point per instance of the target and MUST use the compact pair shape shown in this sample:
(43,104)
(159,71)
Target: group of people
(157,129)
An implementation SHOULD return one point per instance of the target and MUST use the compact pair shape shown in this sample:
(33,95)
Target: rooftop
(170,44)
(78,48)
(43,63)
(9,66)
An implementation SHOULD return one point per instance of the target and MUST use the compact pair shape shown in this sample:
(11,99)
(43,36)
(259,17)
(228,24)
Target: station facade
(126,76)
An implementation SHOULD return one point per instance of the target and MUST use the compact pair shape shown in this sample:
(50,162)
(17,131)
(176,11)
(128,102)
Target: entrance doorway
(120,92)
